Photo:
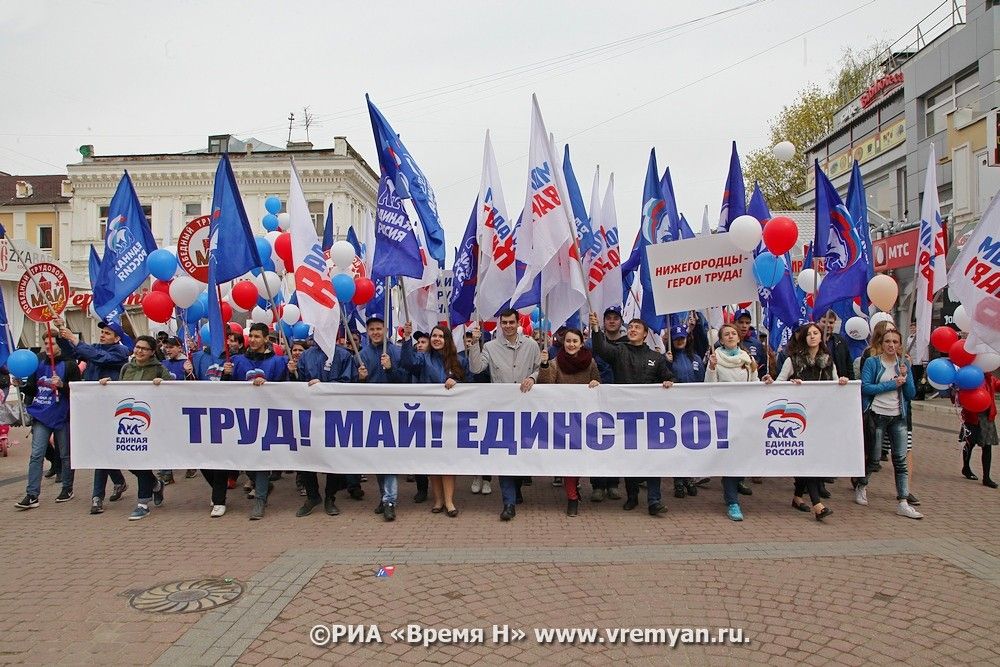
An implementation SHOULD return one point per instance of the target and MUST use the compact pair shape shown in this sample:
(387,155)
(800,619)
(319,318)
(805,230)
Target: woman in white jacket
(731,363)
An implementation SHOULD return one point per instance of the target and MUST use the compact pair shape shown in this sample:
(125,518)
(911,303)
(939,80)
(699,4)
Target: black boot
(966,458)
(987,460)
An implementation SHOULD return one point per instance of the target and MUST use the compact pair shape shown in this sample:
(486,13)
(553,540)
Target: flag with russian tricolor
(930,272)
(495,240)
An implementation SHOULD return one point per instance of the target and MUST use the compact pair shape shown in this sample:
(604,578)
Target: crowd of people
(614,352)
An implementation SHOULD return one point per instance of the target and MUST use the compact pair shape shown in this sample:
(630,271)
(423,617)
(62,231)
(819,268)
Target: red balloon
(526,325)
(810,300)
(158,306)
(234,327)
(942,338)
(161,286)
(227,311)
(780,235)
(278,349)
(364,290)
(283,247)
(974,400)
(489,325)
(289,267)
(959,355)
(245,294)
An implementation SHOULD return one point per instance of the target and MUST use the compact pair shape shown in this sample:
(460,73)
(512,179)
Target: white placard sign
(699,273)
(613,430)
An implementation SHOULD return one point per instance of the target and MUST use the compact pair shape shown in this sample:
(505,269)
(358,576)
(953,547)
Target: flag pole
(385,315)
(402,292)
(31,276)
(347,332)
(225,325)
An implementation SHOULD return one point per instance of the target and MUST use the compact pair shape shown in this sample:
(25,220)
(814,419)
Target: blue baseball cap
(678,332)
(742,312)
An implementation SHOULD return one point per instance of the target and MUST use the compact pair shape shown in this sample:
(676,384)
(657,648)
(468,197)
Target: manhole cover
(181,597)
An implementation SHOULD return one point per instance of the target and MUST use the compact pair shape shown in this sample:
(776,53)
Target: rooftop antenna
(308,120)
(291,119)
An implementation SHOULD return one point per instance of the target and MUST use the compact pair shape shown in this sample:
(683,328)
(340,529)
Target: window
(45,238)
(881,196)
(891,110)
(962,92)
(318,215)
(840,142)
(192,210)
(102,219)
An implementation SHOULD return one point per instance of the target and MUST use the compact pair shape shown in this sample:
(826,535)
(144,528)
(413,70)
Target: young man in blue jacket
(104,360)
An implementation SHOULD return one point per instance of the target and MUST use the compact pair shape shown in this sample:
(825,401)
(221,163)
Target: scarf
(738,358)
(571,364)
(819,369)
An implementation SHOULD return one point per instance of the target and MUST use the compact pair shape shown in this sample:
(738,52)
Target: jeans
(895,426)
(101,481)
(653,494)
(389,485)
(147,482)
(730,490)
(509,487)
(40,434)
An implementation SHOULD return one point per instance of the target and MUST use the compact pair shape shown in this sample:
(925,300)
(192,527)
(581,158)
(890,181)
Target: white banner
(612,430)
(698,273)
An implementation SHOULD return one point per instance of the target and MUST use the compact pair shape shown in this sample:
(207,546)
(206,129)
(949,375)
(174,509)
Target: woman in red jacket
(980,429)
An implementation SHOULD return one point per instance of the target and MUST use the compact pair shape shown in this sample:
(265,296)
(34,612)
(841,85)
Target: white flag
(317,301)
(422,293)
(975,281)
(609,291)
(495,233)
(706,228)
(546,233)
(931,274)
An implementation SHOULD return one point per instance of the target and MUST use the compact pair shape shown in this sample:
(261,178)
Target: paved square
(865,587)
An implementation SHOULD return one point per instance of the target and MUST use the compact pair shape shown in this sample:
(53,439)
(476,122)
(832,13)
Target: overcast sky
(613,79)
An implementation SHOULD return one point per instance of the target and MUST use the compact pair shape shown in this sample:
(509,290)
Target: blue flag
(584,230)
(857,206)
(128,241)
(328,229)
(7,338)
(376,307)
(673,228)
(409,181)
(397,251)
(734,197)
(838,243)
(782,310)
(93,267)
(653,216)
(232,248)
(465,273)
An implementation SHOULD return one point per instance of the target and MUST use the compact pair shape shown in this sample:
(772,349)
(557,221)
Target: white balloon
(262,315)
(268,282)
(962,319)
(745,232)
(937,386)
(184,291)
(284,221)
(857,328)
(879,317)
(342,254)
(290,315)
(783,150)
(237,308)
(806,279)
(987,361)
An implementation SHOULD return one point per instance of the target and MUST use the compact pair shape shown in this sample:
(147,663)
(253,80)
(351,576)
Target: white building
(175,188)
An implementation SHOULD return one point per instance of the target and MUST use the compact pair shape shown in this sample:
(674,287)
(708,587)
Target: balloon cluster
(962,369)
(778,234)
(359,290)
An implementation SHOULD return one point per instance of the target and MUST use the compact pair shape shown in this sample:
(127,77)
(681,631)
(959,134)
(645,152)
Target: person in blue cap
(687,366)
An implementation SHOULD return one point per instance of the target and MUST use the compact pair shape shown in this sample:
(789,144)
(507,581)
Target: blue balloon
(969,377)
(941,371)
(206,335)
(300,331)
(22,363)
(273,205)
(768,269)
(263,247)
(288,331)
(162,264)
(195,312)
(270,222)
(343,285)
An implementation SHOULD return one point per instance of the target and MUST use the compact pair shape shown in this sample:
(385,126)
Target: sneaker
(692,490)
(96,505)
(140,512)
(217,511)
(274,476)
(191,472)
(904,509)
(116,493)
(380,509)
(572,507)
(420,497)
(613,493)
(167,477)
(257,512)
(64,495)
(861,495)
(679,492)
(158,494)
(487,489)
(307,508)
(27,503)
(597,495)
(477,484)
(330,507)
(557,481)
(389,512)
(743,489)
(508,513)
(913,500)
(734,512)
(656,509)
(50,473)
(302,491)
(630,504)
(356,493)
(249,490)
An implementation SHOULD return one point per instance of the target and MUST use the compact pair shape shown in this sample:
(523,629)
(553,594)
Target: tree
(804,122)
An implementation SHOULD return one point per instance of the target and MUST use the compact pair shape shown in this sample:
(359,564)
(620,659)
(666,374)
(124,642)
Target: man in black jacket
(636,363)
(837,346)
